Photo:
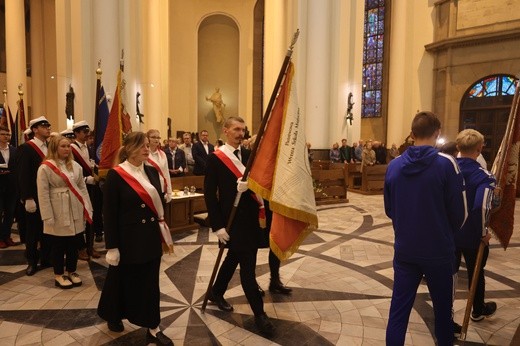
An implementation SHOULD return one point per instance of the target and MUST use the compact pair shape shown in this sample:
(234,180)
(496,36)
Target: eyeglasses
(155,137)
(5,134)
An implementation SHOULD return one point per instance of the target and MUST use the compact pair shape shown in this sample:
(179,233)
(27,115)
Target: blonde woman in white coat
(64,206)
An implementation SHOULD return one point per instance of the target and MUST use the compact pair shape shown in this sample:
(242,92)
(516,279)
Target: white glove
(49,222)
(241,185)
(222,235)
(112,257)
(90,180)
(30,205)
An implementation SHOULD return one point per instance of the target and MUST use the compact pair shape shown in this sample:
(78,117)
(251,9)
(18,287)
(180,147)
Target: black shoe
(263,323)
(262,292)
(220,301)
(457,330)
(99,238)
(116,326)
(488,310)
(158,339)
(31,270)
(276,286)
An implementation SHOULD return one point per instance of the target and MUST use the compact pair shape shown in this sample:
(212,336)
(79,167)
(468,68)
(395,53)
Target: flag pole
(497,170)
(251,159)
(5,111)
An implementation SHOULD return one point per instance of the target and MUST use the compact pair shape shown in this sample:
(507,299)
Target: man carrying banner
(31,156)
(82,156)
(224,167)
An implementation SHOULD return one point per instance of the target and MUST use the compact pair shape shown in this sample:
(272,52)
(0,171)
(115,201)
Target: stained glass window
(373,45)
(493,86)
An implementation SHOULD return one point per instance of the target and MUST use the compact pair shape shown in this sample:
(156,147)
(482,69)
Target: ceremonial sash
(237,167)
(79,158)
(154,204)
(72,187)
(37,149)
(156,166)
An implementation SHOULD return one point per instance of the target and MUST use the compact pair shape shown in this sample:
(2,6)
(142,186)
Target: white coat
(58,203)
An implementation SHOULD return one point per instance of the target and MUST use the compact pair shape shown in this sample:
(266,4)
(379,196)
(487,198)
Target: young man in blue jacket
(480,185)
(424,197)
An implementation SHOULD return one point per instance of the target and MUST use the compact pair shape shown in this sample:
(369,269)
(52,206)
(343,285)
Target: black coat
(129,224)
(200,156)
(220,189)
(179,159)
(28,162)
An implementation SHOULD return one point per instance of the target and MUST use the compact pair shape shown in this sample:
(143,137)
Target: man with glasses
(187,148)
(7,188)
(32,153)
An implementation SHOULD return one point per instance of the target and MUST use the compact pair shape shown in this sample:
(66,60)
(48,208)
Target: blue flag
(100,119)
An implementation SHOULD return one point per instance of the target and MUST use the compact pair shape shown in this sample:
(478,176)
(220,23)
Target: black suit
(28,162)
(179,160)
(131,289)
(200,156)
(220,189)
(8,194)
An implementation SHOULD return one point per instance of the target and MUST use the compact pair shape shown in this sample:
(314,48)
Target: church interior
(363,69)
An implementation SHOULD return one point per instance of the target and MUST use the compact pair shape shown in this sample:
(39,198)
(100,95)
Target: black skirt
(131,291)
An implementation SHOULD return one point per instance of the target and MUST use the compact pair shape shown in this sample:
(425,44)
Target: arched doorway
(485,107)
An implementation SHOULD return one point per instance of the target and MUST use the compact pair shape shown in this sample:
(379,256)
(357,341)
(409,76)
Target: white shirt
(136,172)
(83,150)
(42,145)
(230,147)
(5,154)
(159,157)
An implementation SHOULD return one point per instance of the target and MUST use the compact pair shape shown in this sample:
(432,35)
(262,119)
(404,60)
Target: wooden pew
(373,179)
(330,185)
(353,173)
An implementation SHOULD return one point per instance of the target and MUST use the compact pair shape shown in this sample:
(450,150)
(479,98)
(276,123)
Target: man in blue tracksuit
(424,197)
(479,193)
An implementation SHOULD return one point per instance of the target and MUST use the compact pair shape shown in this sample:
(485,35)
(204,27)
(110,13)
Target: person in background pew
(159,160)
(177,164)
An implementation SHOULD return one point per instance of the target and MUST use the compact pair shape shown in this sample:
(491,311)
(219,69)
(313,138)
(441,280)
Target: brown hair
(52,150)
(132,143)
(425,124)
(229,120)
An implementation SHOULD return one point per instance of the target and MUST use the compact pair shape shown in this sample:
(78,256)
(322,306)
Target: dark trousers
(20,220)
(97,205)
(247,261)
(88,238)
(274,266)
(34,234)
(407,277)
(64,246)
(470,257)
(7,208)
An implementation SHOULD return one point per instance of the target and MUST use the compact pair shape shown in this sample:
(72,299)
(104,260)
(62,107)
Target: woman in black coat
(134,230)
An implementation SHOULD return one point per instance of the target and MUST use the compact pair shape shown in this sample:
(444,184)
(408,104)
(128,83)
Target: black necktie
(236,153)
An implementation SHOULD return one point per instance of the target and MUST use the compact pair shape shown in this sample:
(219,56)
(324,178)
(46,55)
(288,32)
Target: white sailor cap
(39,121)
(68,133)
(80,125)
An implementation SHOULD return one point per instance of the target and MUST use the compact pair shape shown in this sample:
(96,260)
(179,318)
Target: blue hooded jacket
(424,197)
(479,193)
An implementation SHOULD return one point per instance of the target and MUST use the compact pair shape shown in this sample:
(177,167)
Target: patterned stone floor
(341,276)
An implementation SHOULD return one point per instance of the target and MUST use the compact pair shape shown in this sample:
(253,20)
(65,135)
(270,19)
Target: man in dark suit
(8,195)
(176,159)
(200,151)
(31,156)
(224,167)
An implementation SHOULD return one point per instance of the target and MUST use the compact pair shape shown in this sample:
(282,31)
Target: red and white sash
(232,162)
(37,149)
(72,187)
(156,166)
(79,158)
(151,198)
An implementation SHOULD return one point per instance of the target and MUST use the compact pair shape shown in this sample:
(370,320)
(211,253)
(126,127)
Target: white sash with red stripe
(80,159)
(150,197)
(236,166)
(37,149)
(87,212)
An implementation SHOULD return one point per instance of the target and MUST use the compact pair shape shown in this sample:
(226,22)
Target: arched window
(485,107)
(374,48)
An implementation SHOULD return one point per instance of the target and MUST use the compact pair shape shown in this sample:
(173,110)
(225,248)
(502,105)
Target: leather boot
(276,286)
(83,255)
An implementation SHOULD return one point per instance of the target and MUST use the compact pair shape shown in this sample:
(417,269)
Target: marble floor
(341,279)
